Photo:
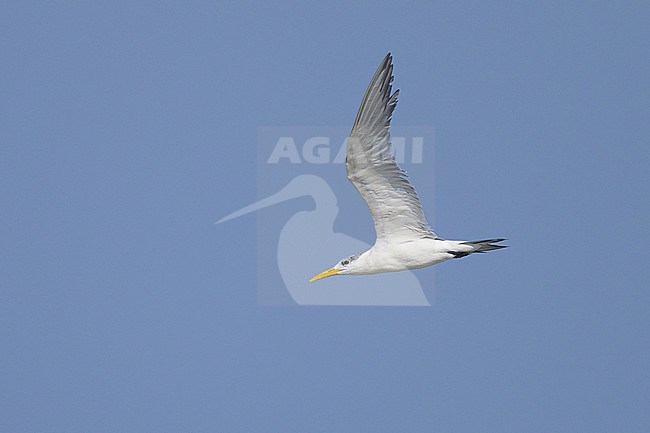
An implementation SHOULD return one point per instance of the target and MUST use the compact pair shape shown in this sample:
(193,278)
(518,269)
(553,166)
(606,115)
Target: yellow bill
(325,274)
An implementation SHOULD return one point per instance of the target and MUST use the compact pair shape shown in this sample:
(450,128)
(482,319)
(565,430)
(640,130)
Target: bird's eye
(345,262)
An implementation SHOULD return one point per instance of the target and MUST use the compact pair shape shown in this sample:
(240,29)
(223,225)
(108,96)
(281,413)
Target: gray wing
(393,203)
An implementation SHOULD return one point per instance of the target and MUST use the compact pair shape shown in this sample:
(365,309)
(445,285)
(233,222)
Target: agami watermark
(309,216)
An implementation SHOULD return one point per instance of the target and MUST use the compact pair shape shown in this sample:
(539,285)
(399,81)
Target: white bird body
(410,254)
(404,238)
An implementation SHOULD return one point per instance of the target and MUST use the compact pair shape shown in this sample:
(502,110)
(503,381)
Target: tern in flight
(404,238)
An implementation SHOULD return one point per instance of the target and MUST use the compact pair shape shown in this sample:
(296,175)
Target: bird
(404,239)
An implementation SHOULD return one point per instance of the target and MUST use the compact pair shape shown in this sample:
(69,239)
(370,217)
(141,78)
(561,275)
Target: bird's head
(345,266)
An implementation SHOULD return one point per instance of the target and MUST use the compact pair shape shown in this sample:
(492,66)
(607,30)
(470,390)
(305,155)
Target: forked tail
(466,248)
(485,245)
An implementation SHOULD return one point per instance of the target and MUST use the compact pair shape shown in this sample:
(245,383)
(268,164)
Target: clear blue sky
(127,129)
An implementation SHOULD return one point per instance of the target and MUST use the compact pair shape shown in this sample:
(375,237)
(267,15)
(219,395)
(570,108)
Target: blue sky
(128,128)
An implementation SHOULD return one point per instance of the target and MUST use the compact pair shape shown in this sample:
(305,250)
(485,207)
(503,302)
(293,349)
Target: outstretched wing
(393,203)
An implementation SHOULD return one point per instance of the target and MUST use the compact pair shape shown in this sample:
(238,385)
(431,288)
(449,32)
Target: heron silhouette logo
(309,216)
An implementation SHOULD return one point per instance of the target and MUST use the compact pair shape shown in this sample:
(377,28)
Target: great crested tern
(404,238)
